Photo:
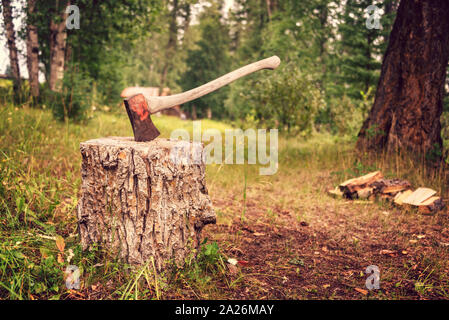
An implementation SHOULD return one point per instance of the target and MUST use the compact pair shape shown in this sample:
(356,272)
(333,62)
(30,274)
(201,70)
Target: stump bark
(137,202)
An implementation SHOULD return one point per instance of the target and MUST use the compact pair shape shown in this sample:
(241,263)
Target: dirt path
(323,251)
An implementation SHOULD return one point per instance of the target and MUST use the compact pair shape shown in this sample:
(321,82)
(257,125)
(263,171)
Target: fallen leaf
(413,241)
(404,252)
(420,236)
(258,234)
(60,244)
(387,252)
(362,291)
(242,262)
(325,286)
(60,258)
(232,261)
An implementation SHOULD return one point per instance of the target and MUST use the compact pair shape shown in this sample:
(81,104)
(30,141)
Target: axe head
(139,115)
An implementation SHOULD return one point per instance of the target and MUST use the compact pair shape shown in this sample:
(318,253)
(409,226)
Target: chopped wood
(335,193)
(351,186)
(399,198)
(390,186)
(365,193)
(363,180)
(373,185)
(431,205)
(418,196)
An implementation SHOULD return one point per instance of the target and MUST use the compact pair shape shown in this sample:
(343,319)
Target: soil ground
(291,240)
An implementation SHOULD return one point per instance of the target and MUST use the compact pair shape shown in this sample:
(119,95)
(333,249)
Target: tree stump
(139,203)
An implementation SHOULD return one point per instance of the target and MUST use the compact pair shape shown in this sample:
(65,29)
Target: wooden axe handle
(156,104)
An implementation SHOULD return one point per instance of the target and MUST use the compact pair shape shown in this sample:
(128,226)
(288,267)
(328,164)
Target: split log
(390,187)
(351,186)
(138,203)
(365,193)
(431,205)
(335,193)
(418,196)
(401,196)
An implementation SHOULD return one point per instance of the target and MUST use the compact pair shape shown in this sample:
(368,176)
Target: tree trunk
(269,9)
(58,38)
(32,53)
(209,113)
(408,103)
(11,38)
(138,203)
(194,115)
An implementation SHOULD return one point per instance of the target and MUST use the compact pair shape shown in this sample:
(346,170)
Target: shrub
(74,98)
(287,99)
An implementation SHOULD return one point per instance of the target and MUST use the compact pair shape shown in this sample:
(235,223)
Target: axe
(141,105)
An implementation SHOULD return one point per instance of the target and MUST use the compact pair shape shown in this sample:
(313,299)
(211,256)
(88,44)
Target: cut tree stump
(138,203)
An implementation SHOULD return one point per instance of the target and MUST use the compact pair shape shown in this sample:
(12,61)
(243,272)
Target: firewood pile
(373,186)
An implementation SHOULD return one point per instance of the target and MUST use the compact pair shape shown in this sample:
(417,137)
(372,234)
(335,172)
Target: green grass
(39,185)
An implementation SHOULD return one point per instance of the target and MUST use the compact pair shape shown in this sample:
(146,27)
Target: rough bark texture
(32,52)
(58,38)
(11,39)
(408,104)
(136,202)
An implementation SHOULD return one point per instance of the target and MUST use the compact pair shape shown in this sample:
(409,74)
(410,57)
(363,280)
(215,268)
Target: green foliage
(360,48)
(200,270)
(208,61)
(288,100)
(73,100)
(101,46)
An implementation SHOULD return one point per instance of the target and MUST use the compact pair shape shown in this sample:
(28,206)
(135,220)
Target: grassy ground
(292,241)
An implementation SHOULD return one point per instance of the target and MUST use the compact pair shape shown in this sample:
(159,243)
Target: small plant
(374,131)
(73,100)
(435,153)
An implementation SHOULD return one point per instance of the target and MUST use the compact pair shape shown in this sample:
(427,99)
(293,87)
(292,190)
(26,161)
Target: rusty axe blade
(143,127)
(141,105)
